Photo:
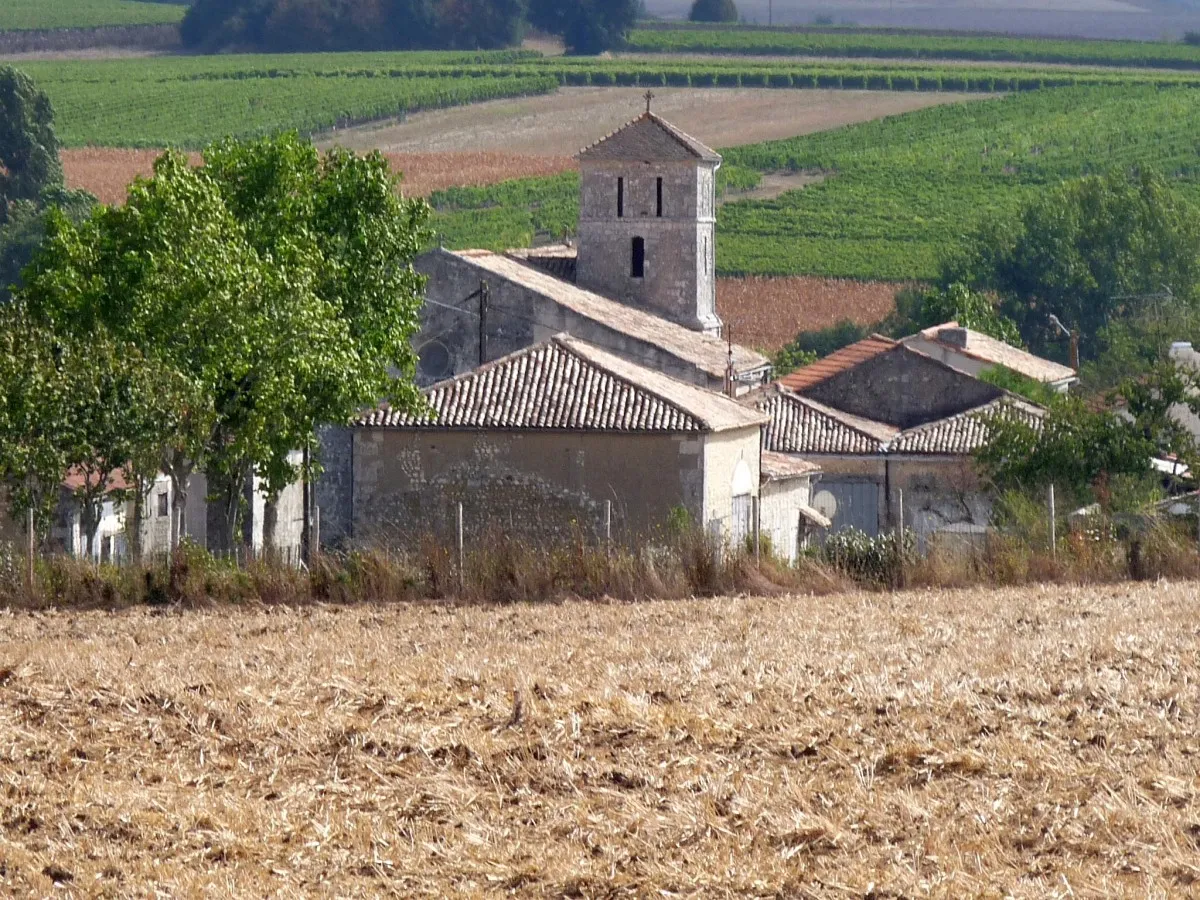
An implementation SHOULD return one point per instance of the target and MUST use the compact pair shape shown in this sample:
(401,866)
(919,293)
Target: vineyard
(899,191)
(755,42)
(189,101)
(23,15)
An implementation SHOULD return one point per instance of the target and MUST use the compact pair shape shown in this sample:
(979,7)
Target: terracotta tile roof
(76,480)
(567,384)
(648,138)
(803,426)
(800,425)
(953,339)
(781,467)
(838,361)
(705,352)
(964,433)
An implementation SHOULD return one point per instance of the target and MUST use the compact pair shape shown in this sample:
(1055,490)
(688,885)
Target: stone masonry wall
(407,483)
(673,243)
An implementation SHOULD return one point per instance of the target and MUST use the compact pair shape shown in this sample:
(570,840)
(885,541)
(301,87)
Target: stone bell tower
(647,221)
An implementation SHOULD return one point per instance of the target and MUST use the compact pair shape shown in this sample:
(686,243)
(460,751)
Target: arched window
(637,267)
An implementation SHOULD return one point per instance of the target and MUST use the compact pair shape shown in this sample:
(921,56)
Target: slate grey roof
(648,138)
(706,352)
(800,425)
(567,384)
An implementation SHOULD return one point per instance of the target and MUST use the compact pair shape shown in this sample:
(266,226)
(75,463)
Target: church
(640,281)
(578,388)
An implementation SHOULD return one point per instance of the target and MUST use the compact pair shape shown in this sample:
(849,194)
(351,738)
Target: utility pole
(729,366)
(484,295)
(770,13)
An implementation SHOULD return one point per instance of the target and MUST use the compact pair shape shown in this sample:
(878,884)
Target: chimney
(954,336)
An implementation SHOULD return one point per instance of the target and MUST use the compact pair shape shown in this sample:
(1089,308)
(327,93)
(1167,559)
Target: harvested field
(1018,743)
(561,123)
(768,312)
(108,172)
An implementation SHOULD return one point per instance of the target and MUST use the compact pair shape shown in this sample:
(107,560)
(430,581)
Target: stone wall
(408,483)
(902,388)
(517,318)
(671,285)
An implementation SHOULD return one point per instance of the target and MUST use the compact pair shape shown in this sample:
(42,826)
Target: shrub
(713,11)
(877,561)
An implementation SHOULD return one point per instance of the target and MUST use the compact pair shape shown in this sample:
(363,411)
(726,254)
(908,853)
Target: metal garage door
(849,504)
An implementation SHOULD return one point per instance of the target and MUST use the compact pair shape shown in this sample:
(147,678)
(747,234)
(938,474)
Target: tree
(809,346)
(713,11)
(31,176)
(278,284)
(28,147)
(1091,252)
(917,310)
(586,26)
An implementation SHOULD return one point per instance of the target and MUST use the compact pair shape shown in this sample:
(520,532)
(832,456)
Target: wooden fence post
(1053,527)
(608,526)
(30,550)
(462,575)
(757,510)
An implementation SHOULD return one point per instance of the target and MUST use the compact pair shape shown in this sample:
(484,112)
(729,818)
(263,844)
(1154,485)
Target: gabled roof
(955,339)
(964,433)
(567,384)
(838,361)
(705,352)
(801,425)
(648,138)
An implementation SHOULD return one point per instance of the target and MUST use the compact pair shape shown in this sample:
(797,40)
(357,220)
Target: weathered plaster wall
(902,388)
(517,318)
(779,516)
(672,285)
(408,483)
(938,491)
(728,457)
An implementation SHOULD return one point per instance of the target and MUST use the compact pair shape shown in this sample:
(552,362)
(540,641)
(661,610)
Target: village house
(559,437)
(632,307)
(974,353)
(890,428)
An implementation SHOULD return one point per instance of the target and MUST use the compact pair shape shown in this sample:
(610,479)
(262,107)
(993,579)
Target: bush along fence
(498,566)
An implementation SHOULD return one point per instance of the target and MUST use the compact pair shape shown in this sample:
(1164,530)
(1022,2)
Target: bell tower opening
(637,262)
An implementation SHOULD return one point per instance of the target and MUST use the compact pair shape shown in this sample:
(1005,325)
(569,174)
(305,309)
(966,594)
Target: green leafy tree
(713,11)
(278,284)
(586,26)
(809,346)
(28,146)
(917,310)
(31,176)
(33,414)
(1091,252)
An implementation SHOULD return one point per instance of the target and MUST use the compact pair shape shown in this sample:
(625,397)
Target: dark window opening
(433,361)
(660,198)
(620,198)
(638,267)
(162,506)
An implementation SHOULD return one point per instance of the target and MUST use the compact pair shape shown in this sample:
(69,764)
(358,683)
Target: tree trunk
(270,526)
(134,532)
(89,521)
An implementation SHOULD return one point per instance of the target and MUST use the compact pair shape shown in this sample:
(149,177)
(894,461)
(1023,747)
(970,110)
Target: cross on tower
(649,97)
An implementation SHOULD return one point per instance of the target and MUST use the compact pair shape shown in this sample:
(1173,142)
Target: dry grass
(769,312)
(1038,742)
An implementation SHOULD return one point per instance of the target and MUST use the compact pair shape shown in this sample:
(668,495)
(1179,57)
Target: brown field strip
(768,313)
(988,743)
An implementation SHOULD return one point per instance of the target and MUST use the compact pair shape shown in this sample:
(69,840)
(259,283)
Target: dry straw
(1033,742)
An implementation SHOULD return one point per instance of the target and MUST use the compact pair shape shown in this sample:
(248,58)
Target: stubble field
(1017,743)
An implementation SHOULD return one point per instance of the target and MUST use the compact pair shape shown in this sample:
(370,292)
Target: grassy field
(188,101)
(897,191)
(23,15)
(760,42)
(1020,743)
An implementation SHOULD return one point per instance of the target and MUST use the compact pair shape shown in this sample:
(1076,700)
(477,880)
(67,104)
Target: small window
(660,198)
(620,198)
(163,508)
(637,268)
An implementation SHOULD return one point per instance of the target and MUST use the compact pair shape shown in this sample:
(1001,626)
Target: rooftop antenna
(649,96)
